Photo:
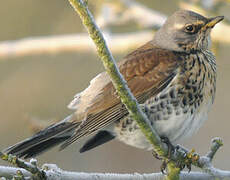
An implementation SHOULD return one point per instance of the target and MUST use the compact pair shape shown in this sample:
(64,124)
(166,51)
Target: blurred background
(35,89)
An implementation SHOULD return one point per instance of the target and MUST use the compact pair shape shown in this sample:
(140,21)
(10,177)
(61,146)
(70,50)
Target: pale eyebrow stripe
(178,25)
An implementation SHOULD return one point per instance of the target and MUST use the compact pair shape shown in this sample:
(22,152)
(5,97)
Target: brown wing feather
(142,69)
(147,70)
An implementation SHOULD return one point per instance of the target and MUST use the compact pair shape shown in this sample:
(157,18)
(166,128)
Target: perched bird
(173,78)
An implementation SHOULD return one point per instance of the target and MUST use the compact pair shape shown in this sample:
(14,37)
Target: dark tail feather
(100,138)
(41,147)
(43,140)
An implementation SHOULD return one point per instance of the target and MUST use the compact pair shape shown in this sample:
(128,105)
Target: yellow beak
(213,21)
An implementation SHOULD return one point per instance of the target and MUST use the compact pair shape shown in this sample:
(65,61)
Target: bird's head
(186,31)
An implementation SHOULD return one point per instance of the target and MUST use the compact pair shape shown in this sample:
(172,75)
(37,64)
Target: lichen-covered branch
(54,173)
(31,167)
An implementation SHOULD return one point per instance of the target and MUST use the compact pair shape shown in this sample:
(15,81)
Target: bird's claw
(186,161)
(164,166)
(189,158)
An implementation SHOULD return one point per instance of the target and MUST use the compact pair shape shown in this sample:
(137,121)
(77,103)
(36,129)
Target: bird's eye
(190,29)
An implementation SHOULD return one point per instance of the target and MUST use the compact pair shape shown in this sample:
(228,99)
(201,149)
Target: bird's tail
(43,140)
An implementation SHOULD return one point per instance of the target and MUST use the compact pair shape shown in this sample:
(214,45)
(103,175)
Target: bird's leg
(186,160)
(171,148)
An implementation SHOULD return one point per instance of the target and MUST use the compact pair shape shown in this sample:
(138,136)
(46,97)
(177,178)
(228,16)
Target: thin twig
(215,145)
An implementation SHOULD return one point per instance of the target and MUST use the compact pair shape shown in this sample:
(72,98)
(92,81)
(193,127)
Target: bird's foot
(164,166)
(188,159)
(164,161)
(171,150)
(185,161)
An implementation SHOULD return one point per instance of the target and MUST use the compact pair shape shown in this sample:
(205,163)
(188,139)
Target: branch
(10,172)
(70,43)
(31,167)
(124,11)
(53,172)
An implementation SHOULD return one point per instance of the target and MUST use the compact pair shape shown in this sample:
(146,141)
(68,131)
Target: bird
(173,78)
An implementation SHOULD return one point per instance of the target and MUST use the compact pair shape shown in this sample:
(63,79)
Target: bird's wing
(147,70)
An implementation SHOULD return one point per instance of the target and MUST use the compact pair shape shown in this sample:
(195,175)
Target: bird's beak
(213,21)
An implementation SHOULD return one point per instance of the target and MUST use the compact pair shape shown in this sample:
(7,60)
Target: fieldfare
(173,77)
